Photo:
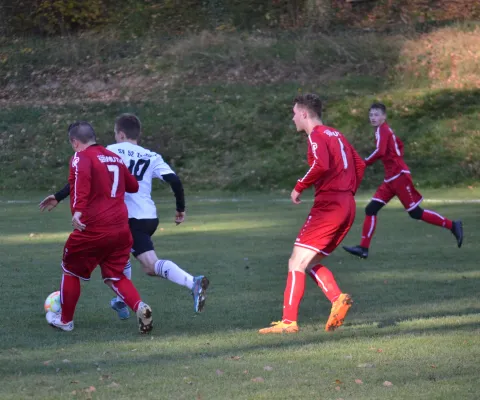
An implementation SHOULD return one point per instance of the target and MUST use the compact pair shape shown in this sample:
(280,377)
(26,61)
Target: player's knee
(373,208)
(416,213)
(297,264)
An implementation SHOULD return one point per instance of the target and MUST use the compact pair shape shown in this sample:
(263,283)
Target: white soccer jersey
(144,165)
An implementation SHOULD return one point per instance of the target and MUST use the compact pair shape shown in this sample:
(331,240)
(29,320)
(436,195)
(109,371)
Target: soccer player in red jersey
(336,171)
(397,182)
(98,182)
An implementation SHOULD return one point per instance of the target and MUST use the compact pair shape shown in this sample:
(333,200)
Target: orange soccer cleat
(340,308)
(280,327)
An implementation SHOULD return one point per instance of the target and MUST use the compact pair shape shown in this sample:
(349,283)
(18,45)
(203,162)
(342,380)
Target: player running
(336,171)
(98,180)
(398,182)
(142,212)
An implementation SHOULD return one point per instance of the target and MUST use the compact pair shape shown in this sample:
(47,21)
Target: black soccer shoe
(358,251)
(457,230)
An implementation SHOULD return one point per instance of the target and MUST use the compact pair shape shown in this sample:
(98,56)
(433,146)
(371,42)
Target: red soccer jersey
(390,151)
(335,166)
(98,182)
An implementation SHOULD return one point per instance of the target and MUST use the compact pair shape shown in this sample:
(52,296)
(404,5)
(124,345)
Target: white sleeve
(161,168)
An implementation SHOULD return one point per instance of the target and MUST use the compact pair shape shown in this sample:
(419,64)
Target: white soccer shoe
(144,317)
(55,319)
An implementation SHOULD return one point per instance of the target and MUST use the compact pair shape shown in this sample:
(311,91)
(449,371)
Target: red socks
(433,218)
(69,294)
(125,289)
(325,280)
(293,295)
(368,230)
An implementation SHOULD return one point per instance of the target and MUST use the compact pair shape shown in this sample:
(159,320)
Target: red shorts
(83,251)
(403,188)
(329,221)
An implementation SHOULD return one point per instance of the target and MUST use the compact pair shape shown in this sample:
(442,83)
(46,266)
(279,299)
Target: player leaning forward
(142,212)
(98,181)
(336,171)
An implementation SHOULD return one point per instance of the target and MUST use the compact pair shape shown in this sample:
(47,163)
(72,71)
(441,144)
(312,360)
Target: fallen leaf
(268,368)
(338,381)
(387,384)
(90,389)
(337,387)
(379,351)
(113,385)
(358,381)
(433,366)
(385,282)
(236,358)
(47,362)
(219,372)
(366,365)
(246,371)
(349,357)
(74,382)
(258,379)
(104,377)
(74,392)
(57,370)
(134,350)
(66,361)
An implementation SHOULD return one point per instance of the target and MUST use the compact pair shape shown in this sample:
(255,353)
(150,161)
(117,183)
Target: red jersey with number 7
(98,182)
(335,166)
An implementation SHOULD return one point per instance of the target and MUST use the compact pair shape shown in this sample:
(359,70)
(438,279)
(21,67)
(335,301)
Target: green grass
(218,106)
(415,321)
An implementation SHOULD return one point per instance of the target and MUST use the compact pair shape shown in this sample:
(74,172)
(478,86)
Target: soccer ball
(52,302)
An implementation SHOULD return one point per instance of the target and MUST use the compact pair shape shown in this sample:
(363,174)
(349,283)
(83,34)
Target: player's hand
(48,203)
(76,223)
(179,217)
(295,196)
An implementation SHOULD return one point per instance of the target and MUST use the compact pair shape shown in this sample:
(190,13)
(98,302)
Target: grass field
(415,322)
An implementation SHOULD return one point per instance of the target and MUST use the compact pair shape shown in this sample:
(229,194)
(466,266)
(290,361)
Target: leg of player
(169,270)
(433,218)
(69,295)
(117,303)
(369,225)
(126,290)
(341,302)
(300,259)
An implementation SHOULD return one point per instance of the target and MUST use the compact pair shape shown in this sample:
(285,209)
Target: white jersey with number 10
(144,165)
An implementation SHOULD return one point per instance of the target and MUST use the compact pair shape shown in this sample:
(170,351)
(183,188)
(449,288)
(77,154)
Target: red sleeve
(81,175)
(359,167)
(382,138)
(321,163)
(131,184)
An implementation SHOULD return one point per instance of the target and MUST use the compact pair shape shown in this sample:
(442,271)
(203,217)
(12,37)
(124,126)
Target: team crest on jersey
(75,161)
(314,146)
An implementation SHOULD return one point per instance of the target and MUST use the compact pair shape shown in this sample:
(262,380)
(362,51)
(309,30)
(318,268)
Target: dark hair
(378,106)
(82,131)
(130,125)
(310,101)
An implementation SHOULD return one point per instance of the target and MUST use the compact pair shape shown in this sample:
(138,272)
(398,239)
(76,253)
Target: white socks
(169,270)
